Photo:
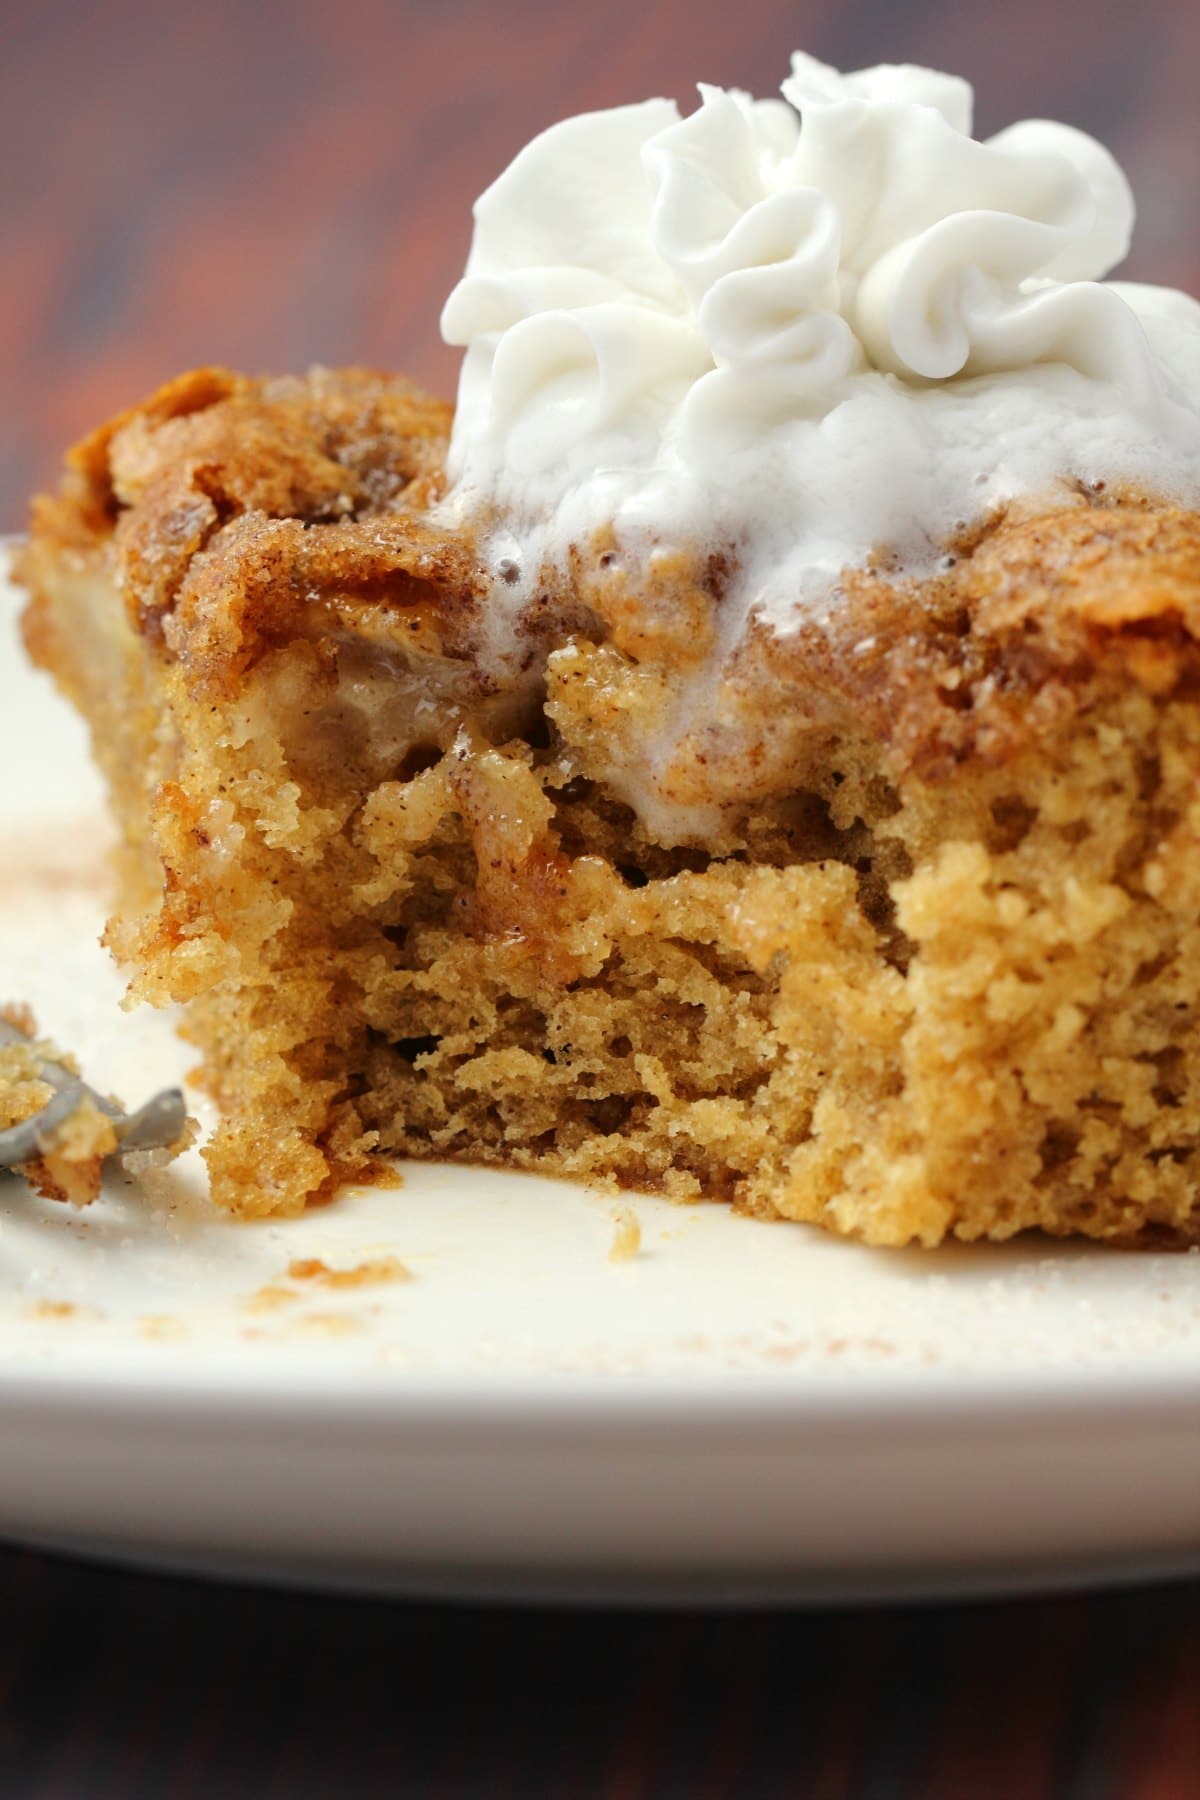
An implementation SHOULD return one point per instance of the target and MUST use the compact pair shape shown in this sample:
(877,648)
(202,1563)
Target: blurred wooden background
(273,182)
(269,184)
(119,1686)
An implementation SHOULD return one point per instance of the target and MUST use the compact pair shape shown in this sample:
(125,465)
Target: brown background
(272,184)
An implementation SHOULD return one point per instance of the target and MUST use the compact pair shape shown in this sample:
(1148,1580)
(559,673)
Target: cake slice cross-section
(744,753)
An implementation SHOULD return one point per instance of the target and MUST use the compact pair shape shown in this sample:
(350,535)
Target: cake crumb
(270,1297)
(54,1309)
(331,1324)
(20,1016)
(161,1328)
(372,1273)
(627,1238)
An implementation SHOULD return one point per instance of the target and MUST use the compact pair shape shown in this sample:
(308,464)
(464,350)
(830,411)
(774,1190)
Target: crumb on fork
(58,1133)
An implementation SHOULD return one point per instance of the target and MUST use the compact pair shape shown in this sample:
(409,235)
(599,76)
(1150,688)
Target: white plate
(740,1411)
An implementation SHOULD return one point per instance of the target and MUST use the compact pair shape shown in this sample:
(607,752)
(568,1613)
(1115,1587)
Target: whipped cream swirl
(812,325)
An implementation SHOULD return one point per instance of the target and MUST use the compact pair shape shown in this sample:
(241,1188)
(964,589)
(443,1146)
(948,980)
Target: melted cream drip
(804,330)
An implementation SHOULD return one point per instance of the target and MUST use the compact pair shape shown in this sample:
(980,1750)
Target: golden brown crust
(1033,611)
(328,445)
(215,462)
(241,514)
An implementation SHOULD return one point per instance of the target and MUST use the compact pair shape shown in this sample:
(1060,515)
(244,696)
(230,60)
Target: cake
(747,751)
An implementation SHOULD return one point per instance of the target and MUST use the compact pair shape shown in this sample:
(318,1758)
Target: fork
(155,1126)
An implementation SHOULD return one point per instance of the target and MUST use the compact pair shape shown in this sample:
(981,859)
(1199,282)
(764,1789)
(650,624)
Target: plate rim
(732,1399)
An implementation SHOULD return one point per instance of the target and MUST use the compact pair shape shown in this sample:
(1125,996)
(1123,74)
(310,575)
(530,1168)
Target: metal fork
(155,1126)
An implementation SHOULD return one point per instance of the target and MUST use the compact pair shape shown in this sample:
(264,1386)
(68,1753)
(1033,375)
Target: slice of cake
(753,754)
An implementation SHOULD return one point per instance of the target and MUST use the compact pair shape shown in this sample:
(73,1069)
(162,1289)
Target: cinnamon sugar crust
(885,924)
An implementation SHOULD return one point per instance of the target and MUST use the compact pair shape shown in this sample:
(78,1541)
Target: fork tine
(155,1126)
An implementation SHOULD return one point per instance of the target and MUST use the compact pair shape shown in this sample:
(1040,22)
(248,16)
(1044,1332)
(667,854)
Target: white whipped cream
(809,329)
